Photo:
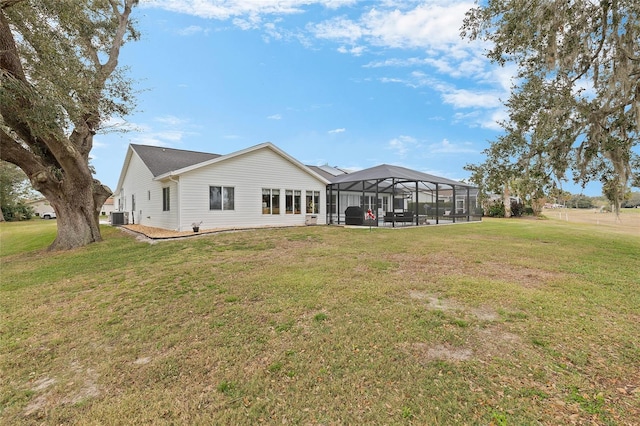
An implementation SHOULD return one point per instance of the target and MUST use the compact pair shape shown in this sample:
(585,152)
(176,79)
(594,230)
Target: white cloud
(148,140)
(166,138)
(493,121)
(338,29)
(170,135)
(446,147)
(402,144)
(462,98)
(226,9)
(396,62)
(355,50)
(193,29)
(171,120)
(166,131)
(485,106)
(275,117)
(428,25)
(334,131)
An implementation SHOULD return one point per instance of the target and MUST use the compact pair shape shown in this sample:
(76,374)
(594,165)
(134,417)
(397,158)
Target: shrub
(517,208)
(18,211)
(496,209)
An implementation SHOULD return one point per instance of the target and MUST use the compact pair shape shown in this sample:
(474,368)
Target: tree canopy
(575,104)
(60,82)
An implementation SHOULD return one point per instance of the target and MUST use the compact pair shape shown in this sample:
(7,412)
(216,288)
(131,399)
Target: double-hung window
(293,201)
(221,198)
(297,202)
(270,201)
(313,201)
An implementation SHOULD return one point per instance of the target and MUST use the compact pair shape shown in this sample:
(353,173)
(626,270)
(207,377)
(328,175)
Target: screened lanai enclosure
(397,196)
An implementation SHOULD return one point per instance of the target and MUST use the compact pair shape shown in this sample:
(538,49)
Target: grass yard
(505,322)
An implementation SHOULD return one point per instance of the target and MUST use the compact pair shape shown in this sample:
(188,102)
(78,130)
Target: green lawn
(502,322)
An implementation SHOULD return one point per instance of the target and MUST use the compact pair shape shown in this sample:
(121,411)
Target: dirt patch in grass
(483,313)
(438,352)
(81,385)
(494,341)
(438,265)
(481,342)
(523,276)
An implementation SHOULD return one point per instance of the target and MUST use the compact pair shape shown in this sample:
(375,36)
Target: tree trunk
(77,225)
(506,200)
(77,206)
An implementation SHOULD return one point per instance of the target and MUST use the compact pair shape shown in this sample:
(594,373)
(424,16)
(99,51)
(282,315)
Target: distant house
(108,207)
(254,187)
(40,206)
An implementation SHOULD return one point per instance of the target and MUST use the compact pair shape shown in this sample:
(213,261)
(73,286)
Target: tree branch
(15,153)
(8,3)
(9,58)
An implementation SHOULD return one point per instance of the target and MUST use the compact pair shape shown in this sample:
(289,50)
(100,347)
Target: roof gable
(220,158)
(161,160)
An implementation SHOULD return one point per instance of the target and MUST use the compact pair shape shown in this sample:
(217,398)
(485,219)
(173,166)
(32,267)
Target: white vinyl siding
(248,174)
(139,180)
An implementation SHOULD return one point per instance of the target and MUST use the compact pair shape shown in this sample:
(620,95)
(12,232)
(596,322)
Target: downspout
(177,182)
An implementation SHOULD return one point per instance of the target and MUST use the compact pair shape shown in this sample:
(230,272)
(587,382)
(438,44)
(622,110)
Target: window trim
(268,204)
(293,201)
(312,202)
(224,201)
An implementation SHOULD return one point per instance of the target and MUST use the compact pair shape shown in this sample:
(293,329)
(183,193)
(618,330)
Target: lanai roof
(386,171)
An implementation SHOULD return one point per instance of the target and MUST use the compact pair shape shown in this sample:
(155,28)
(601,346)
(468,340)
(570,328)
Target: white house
(258,186)
(40,206)
(108,207)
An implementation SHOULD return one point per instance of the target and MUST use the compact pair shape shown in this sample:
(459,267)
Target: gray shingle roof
(161,160)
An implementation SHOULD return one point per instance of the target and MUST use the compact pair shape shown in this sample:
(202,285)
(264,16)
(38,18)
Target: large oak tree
(59,83)
(576,105)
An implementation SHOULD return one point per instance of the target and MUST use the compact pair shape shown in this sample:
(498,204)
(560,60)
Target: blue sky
(347,83)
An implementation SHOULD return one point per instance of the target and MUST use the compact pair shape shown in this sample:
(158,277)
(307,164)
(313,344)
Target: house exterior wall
(248,174)
(40,206)
(108,207)
(138,183)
